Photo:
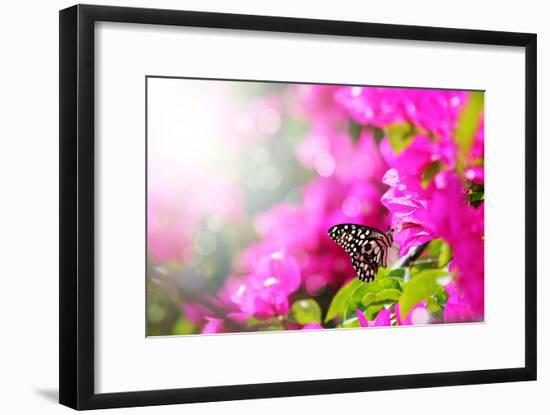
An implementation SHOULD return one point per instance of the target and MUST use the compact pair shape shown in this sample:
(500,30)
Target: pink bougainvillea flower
(265,291)
(328,152)
(383,318)
(332,154)
(275,226)
(417,315)
(312,326)
(408,204)
(368,162)
(478,147)
(408,198)
(458,308)
(421,152)
(372,106)
(436,111)
(462,227)
(213,325)
(363,322)
(317,103)
(475,171)
(195,313)
(441,210)
(216,314)
(475,174)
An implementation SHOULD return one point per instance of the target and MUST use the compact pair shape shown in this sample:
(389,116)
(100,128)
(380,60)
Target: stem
(425,261)
(413,254)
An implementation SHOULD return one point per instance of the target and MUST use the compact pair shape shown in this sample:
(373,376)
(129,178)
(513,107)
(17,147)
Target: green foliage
(350,323)
(429,173)
(182,326)
(404,286)
(388,295)
(469,122)
(354,131)
(372,296)
(368,299)
(306,311)
(421,287)
(440,251)
(444,254)
(341,298)
(476,193)
(397,273)
(155,312)
(399,136)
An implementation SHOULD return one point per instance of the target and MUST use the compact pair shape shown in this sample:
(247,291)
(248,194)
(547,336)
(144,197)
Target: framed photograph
(258,206)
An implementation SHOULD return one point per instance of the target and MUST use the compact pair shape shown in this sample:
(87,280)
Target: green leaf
(352,322)
(340,300)
(156,312)
(306,311)
(441,296)
(397,273)
(434,247)
(435,308)
(388,295)
(429,173)
(182,326)
(378,134)
(389,283)
(368,299)
(469,122)
(354,131)
(421,287)
(399,136)
(476,193)
(373,311)
(353,294)
(445,254)
(356,297)
(383,272)
(440,251)
(477,197)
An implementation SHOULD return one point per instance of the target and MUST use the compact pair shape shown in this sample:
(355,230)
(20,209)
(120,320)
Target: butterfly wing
(365,270)
(367,247)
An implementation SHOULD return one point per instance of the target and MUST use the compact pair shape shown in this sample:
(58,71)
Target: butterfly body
(368,247)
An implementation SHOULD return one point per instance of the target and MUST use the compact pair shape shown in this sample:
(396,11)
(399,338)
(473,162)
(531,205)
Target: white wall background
(29,205)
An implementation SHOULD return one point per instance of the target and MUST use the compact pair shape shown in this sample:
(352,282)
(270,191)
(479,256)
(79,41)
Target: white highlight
(269,121)
(351,206)
(325,165)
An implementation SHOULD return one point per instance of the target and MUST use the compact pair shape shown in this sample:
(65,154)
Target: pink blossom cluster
(431,110)
(421,213)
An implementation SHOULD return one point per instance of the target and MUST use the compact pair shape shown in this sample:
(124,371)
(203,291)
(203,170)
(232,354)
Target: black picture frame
(77,175)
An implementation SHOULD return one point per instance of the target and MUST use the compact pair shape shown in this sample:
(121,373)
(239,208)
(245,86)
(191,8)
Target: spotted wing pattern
(367,247)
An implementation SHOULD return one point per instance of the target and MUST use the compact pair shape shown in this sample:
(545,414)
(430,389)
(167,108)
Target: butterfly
(368,247)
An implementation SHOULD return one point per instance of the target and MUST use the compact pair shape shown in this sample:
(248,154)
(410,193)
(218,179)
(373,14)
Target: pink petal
(363,322)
